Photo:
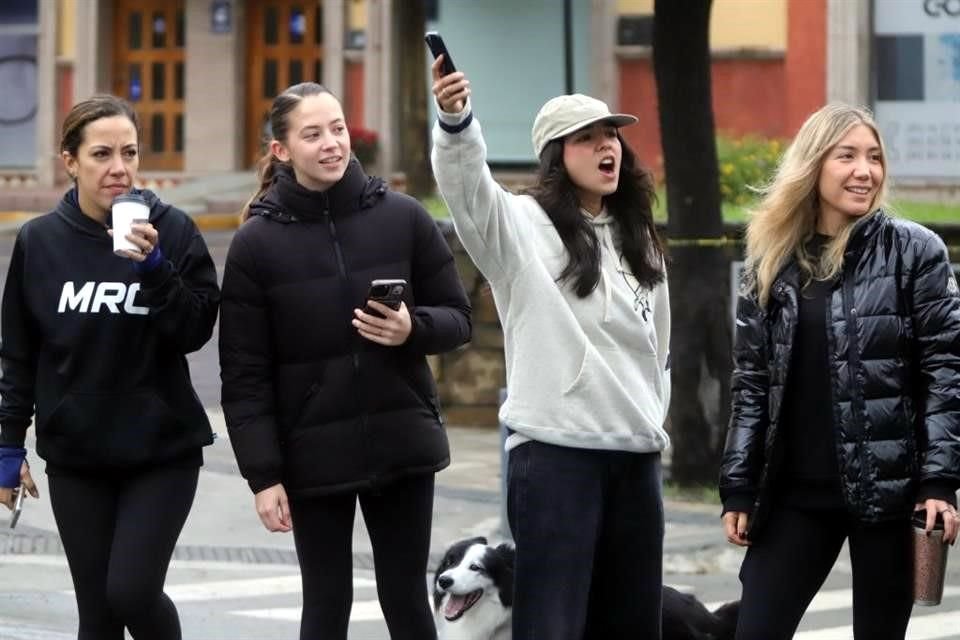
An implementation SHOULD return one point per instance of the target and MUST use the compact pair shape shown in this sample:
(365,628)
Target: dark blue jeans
(588,526)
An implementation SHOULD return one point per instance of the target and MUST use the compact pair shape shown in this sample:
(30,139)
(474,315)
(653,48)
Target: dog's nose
(445,582)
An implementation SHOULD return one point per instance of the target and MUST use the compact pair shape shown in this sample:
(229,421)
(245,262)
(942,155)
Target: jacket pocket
(88,429)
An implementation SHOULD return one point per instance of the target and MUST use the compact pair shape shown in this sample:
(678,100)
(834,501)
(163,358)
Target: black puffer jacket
(307,401)
(894,354)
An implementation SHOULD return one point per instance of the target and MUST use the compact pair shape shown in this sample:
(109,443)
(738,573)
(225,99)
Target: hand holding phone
(450,86)
(392,329)
(387,292)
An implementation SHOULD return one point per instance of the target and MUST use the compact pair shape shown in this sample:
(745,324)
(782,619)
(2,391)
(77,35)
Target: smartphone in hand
(17,505)
(388,292)
(435,42)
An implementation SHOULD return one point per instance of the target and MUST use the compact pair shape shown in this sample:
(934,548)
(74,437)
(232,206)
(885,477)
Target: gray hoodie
(581,372)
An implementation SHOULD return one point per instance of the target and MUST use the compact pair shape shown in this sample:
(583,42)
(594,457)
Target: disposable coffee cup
(127,209)
(929,561)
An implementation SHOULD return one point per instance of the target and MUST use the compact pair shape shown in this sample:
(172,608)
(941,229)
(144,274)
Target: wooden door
(148,70)
(284,47)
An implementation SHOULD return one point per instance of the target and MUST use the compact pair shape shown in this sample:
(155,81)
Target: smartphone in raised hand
(437,46)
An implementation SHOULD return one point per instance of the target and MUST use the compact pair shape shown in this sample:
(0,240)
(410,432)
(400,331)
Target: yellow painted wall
(66,28)
(735,24)
(635,6)
(357,15)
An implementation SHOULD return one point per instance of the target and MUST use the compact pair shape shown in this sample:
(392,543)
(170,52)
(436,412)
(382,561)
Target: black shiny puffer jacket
(894,354)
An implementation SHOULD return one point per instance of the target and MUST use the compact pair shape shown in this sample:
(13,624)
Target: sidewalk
(224,527)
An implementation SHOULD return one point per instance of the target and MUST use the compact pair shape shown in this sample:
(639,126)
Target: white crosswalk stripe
(834,599)
(254,587)
(362,611)
(16,630)
(935,626)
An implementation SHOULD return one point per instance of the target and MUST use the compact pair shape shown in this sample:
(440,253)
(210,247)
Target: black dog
(473,597)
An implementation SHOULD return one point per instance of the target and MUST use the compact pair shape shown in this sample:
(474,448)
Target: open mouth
(859,191)
(458,604)
(331,161)
(607,166)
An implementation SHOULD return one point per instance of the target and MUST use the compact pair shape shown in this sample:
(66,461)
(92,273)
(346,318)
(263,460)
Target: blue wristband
(11,459)
(151,262)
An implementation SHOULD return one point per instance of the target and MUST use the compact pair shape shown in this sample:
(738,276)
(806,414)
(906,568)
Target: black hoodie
(308,402)
(98,349)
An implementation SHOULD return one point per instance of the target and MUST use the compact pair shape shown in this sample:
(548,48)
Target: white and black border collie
(473,591)
(473,599)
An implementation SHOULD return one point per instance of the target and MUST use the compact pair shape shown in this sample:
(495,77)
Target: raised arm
(489,220)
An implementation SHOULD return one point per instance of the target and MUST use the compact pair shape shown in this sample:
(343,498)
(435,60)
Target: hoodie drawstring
(603,224)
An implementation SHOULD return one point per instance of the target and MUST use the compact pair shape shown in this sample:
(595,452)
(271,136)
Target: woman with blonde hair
(846,395)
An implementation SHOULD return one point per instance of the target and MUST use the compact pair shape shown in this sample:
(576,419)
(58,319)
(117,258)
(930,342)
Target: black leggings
(787,565)
(118,534)
(398,518)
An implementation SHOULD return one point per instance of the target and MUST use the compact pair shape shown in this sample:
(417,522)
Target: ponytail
(266,170)
(282,105)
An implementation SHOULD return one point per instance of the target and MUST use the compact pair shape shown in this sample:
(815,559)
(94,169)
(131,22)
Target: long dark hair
(282,105)
(631,206)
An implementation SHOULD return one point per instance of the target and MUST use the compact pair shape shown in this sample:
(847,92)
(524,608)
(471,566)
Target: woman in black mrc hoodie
(94,350)
(326,403)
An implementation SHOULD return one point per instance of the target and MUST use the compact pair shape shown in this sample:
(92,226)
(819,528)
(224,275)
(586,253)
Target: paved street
(234,581)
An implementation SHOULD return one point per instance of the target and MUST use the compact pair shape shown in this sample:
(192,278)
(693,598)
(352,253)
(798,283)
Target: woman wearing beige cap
(577,273)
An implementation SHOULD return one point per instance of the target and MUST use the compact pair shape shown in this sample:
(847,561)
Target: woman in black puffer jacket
(846,388)
(327,403)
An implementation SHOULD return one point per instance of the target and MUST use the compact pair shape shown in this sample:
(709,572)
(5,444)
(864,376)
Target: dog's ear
(499,565)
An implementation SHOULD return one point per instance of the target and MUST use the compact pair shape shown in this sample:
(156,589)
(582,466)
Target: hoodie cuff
(151,262)
(455,122)
(153,278)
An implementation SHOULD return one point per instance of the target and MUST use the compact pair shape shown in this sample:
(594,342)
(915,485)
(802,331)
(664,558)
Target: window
(159,81)
(157,133)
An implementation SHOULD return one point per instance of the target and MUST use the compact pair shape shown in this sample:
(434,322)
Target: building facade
(202,73)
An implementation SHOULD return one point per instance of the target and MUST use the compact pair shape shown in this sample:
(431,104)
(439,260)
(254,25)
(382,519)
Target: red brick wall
(748,97)
(806,62)
(768,96)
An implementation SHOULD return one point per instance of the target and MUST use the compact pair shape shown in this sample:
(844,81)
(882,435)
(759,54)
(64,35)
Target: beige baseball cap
(563,115)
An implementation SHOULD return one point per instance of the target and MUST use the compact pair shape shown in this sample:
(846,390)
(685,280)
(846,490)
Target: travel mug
(127,209)
(929,561)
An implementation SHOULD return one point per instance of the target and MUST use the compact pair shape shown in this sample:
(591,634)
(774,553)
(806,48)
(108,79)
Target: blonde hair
(787,212)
